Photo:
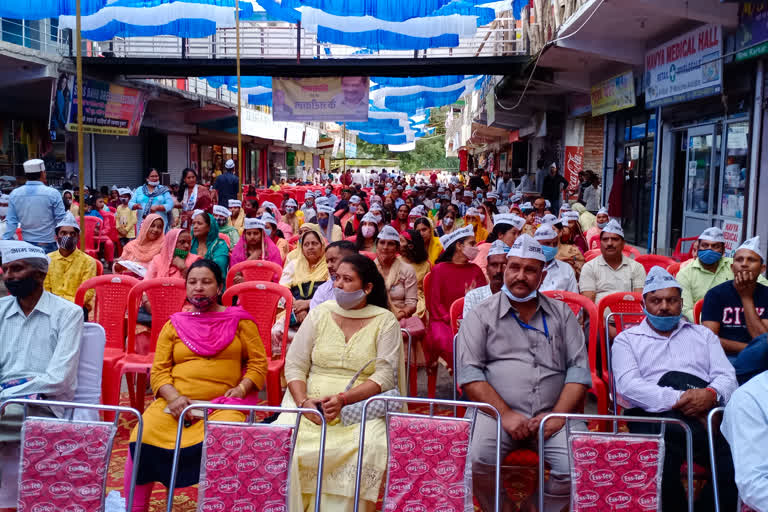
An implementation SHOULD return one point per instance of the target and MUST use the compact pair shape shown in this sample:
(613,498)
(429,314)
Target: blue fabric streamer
(41,9)
(385,40)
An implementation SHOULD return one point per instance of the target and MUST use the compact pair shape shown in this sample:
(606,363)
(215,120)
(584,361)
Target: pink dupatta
(269,251)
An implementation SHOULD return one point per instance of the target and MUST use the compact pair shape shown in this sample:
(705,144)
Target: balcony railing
(41,35)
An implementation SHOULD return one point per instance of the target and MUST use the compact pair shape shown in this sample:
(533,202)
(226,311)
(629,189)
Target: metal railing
(42,35)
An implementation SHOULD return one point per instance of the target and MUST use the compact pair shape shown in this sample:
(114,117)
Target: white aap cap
(68,221)
(547,204)
(570,215)
(602,211)
(230,164)
(221,211)
(565,207)
(235,203)
(658,279)
(291,203)
(268,219)
(388,233)
(124,192)
(712,235)
(498,248)
(753,244)
(13,250)
(527,247)
(492,195)
(451,238)
(354,200)
(417,211)
(614,227)
(251,223)
(375,207)
(549,219)
(269,205)
(4,198)
(510,219)
(516,198)
(324,208)
(369,217)
(545,232)
(468,193)
(33,166)
(526,206)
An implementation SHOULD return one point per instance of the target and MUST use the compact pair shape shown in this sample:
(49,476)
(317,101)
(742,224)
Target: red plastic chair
(457,313)
(92,226)
(590,255)
(166,296)
(579,303)
(648,261)
(673,269)
(631,252)
(99,267)
(681,256)
(226,239)
(697,311)
(262,300)
(258,270)
(109,306)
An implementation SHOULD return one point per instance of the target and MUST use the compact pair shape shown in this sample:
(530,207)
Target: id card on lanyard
(529,327)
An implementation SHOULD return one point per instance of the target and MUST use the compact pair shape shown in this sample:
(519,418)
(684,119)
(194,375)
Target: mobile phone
(320,407)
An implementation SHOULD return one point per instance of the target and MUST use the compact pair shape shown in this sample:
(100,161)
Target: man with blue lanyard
(523,353)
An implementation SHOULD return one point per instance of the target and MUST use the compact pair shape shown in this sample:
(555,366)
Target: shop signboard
(732,235)
(752,36)
(108,109)
(616,93)
(685,68)
(338,99)
(574,152)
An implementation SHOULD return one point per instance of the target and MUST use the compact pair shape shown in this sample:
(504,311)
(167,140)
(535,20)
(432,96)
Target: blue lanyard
(524,325)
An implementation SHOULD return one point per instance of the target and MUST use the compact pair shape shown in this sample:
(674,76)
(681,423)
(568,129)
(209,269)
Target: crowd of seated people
(364,264)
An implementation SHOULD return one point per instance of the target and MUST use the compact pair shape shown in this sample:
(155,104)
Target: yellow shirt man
(66,274)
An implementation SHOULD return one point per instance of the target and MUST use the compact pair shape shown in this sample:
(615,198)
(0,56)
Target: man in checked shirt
(668,367)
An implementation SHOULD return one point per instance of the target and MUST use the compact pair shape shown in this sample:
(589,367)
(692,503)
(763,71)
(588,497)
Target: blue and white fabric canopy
(144,18)
(41,9)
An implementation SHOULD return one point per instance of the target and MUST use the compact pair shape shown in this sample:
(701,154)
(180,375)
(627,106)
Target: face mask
(448,221)
(180,253)
(708,256)
(549,252)
(67,204)
(290,209)
(662,323)
(21,287)
(328,191)
(202,302)
(268,231)
(68,243)
(470,252)
(221,222)
(348,300)
(3,211)
(601,225)
(309,202)
(368,231)
(153,183)
(323,222)
(377,217)
(514,298)
(124,200)
(352,209)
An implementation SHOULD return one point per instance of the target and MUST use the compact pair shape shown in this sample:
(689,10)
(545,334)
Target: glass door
(701,162)
(730,201)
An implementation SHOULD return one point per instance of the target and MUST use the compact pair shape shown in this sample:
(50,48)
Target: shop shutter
(178,156)
(119,161)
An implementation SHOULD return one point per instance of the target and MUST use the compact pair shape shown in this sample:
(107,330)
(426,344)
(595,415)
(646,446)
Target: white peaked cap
(369,217)
(498,247)
(124,192)
(269,204)
(268,219)
(526,206)
(545,232)
(549,219)
(658,279)
(614,227)
(527,247)
(375,207)
(13,250)
(324,208)
(230,164)
(570,215)
(510,219)
(516,198)
(292,203)
(547,204)
(354,200)
(451,238)
(321,200)
(417,211)
(712,235)
(198,212)
(468,193)
(251,223)
(5,198)
(565,207)
(68,221)
(235,203)
(492,195)
(389,233)
(220,210)
(602,210)
(753,244)
(33,166)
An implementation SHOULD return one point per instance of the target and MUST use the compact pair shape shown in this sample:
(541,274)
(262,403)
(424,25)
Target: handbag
(353,413)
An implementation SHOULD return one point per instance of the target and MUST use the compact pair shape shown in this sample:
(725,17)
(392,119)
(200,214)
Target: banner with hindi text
(337,99)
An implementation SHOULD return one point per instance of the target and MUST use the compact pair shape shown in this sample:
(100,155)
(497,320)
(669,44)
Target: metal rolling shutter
(178,156)
(119,161)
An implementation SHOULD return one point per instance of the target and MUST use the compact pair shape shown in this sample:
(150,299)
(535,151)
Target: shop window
(736,165)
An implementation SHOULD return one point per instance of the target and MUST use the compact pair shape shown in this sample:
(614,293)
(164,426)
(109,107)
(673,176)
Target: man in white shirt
(40,334)
(4,198)
(497,262)
(558,275)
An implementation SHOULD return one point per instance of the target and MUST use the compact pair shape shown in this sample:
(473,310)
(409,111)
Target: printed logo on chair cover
(244,468)
(610,473)
(427,465)
(64,465)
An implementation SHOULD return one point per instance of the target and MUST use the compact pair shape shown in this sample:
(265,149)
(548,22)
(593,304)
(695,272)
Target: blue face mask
(268,231)
(323,222)
(549,252)
(514,298)
(662,323)
(708,256)
(601,225)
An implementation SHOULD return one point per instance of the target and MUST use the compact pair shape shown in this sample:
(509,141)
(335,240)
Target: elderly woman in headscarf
(206,242)
(566,250)
(269,207)
(147,245)
(293,217)
(325,218)
(174,258)
(238,215)
(308,270)
(475,218)
(254,245)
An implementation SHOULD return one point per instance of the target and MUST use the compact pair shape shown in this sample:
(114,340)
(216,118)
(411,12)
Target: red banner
(574,164)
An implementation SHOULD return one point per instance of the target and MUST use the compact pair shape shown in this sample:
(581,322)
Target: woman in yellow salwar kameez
(336,340)
(213,354)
